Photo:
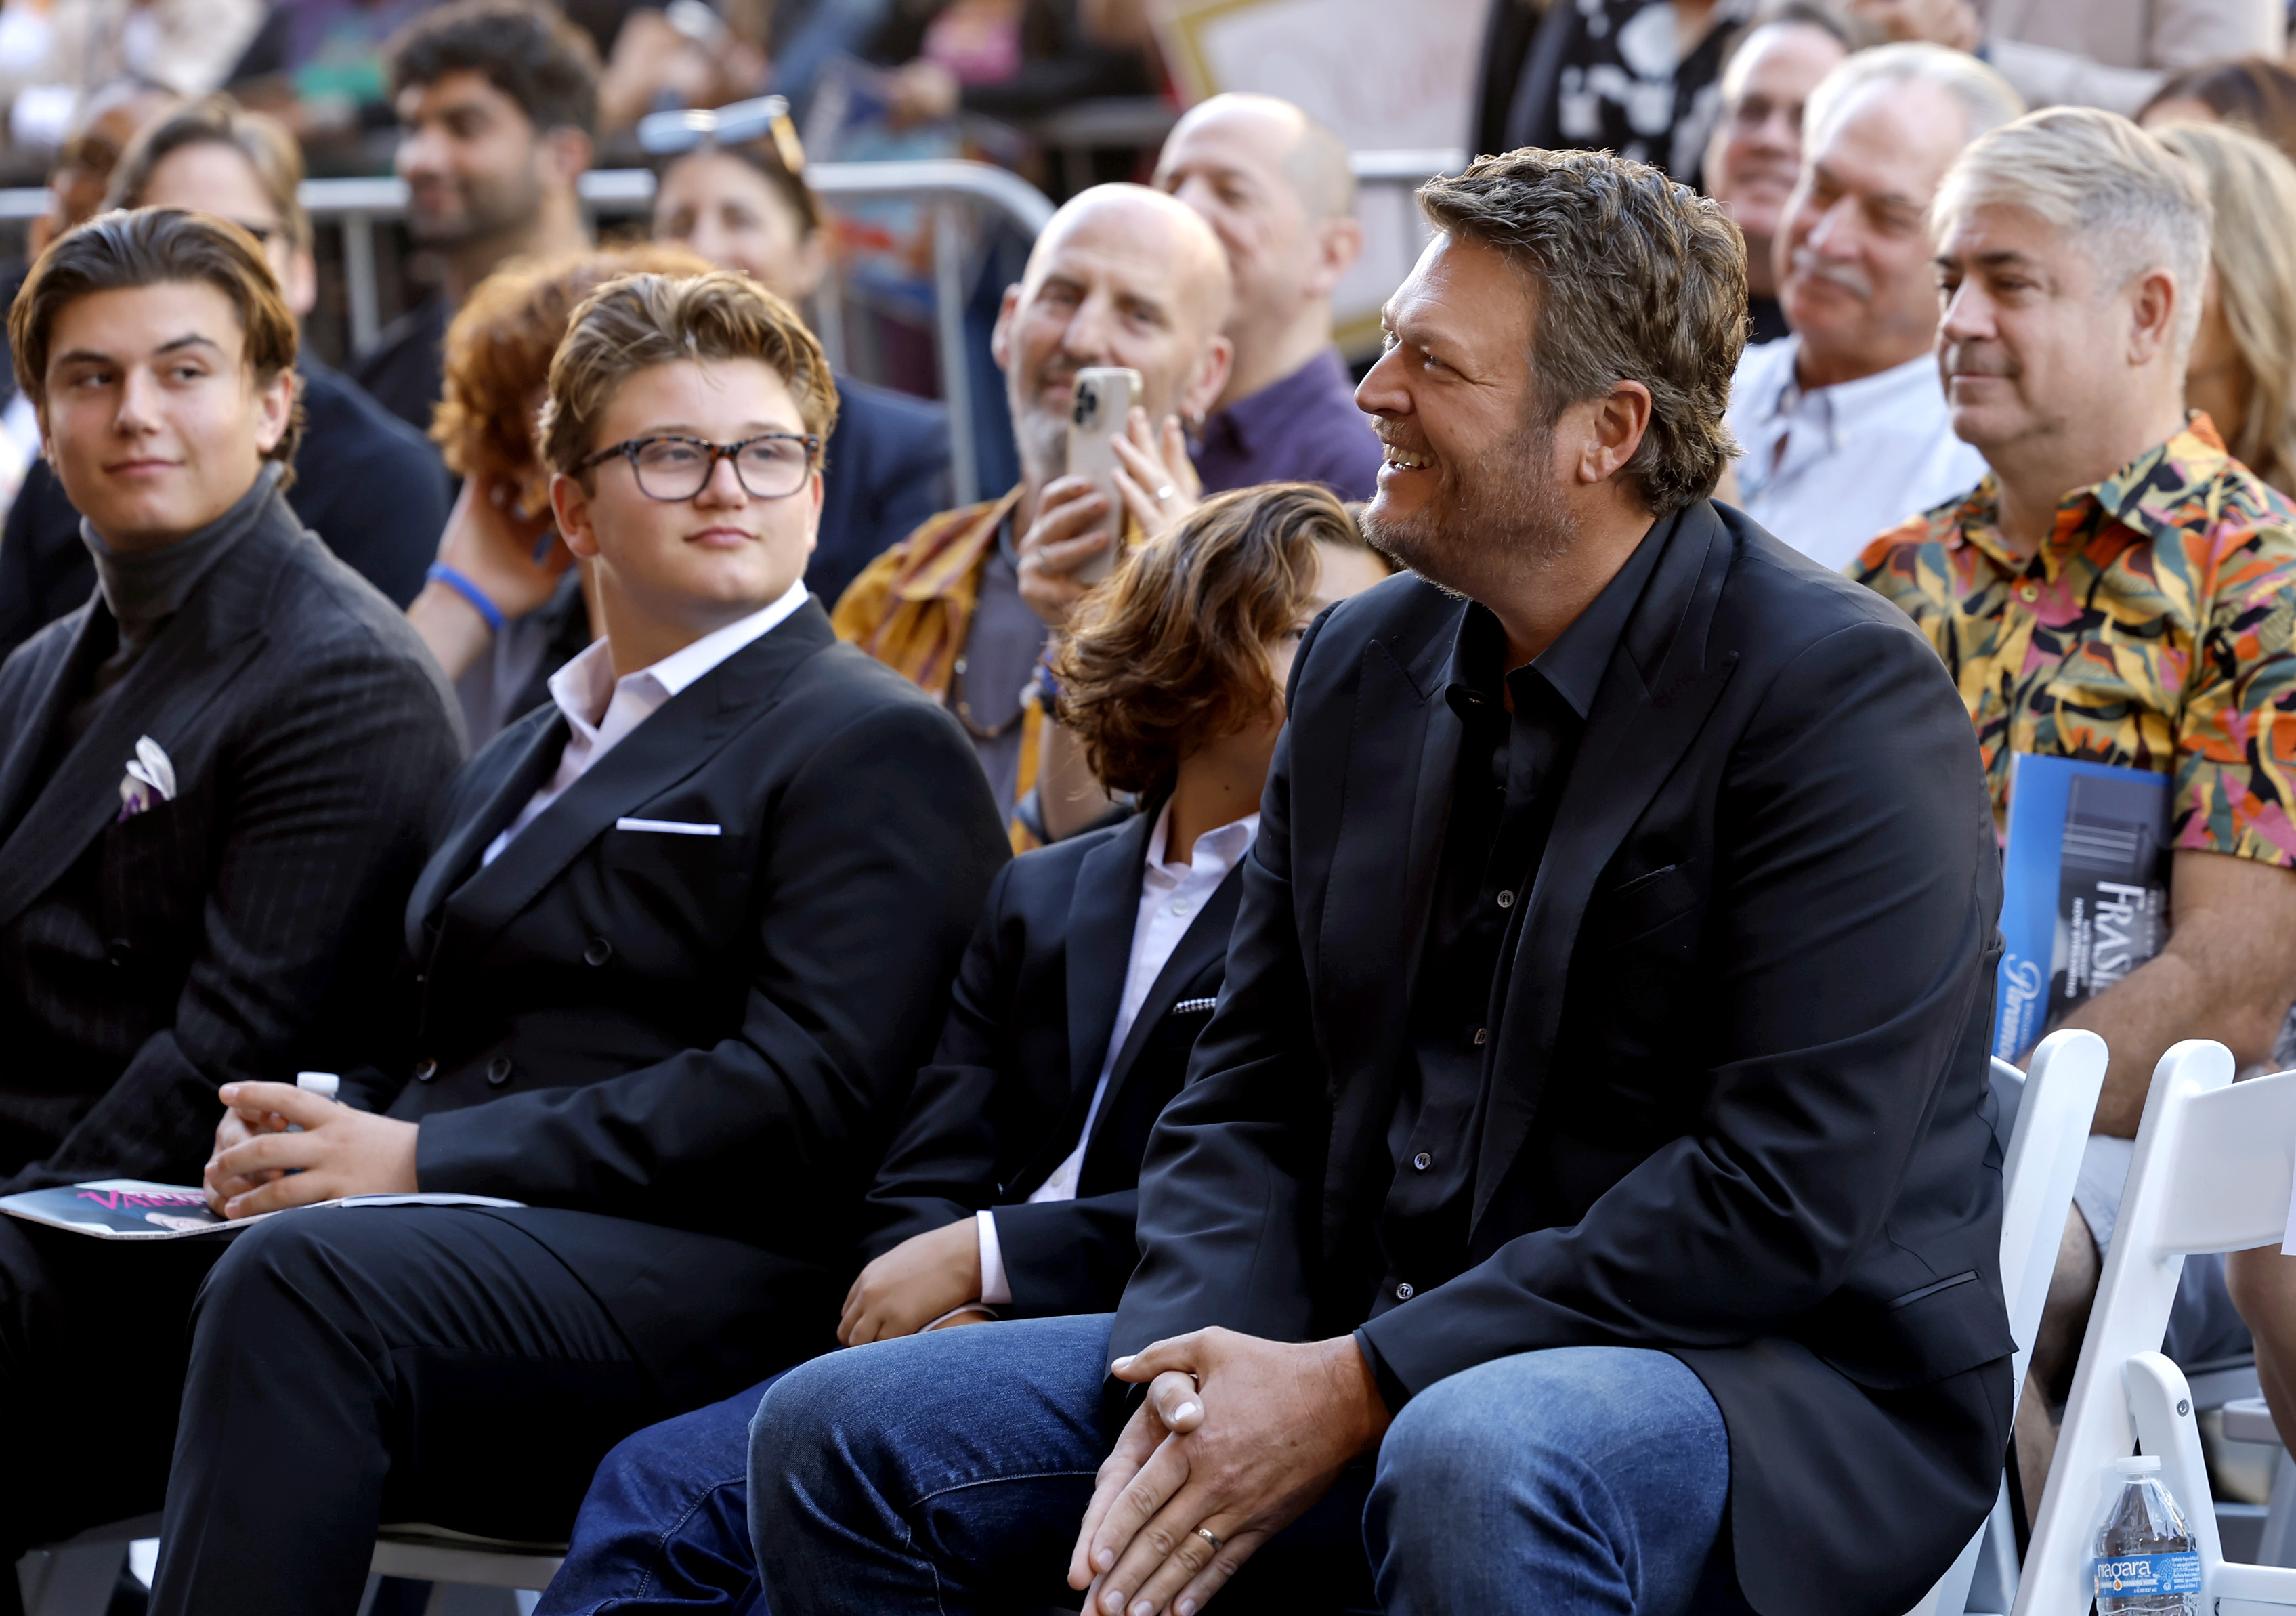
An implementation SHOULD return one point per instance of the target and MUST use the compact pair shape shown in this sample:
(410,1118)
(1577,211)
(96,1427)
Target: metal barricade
(955,190)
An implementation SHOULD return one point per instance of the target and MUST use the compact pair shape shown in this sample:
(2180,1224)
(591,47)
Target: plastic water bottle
(2146,1559)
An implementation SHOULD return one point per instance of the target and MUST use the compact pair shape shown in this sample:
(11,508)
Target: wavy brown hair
(498,352)
(1172,651)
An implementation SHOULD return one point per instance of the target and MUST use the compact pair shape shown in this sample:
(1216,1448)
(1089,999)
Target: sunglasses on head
(675,134)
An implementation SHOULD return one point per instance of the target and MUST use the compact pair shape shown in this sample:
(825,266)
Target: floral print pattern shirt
(2155,629)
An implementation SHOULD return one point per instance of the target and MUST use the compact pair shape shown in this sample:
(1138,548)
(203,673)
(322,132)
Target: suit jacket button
(598,953)
(117,951)
(498,1070)
(425,1070)
(1404,1293)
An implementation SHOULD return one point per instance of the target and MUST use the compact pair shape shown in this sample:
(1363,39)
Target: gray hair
(1985,99)
(2097,175)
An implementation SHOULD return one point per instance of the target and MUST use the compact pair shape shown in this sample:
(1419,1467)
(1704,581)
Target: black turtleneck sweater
(143,589)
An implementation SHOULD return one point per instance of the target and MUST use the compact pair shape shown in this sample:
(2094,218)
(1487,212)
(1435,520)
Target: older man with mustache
(1842,425)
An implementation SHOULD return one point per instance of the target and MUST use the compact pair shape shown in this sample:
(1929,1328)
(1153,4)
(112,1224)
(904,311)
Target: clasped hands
(1237,1437)
(258,1166)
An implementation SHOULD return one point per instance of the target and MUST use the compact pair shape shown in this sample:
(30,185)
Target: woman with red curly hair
(1009,1189)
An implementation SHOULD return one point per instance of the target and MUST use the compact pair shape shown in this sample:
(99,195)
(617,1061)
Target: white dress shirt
(1828,468)
(1171,895)
(602,710)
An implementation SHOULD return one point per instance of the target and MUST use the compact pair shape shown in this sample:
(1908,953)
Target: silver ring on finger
(1164,493)
(1205,1532)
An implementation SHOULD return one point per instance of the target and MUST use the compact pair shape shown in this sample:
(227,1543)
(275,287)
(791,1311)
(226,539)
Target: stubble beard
(1494,523)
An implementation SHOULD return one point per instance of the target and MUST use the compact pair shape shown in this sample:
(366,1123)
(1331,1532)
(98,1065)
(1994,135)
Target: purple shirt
(1305,428)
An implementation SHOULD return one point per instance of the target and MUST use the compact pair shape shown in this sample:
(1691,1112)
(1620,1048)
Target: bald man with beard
(1275,187)
(1123,276)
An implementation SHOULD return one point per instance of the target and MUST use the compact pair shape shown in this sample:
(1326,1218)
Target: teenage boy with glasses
(685,939)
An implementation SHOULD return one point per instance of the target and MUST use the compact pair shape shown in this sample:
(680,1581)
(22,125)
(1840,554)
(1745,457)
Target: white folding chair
(2038,1169)
(2211,1173)
(77,1577)
(451,1560)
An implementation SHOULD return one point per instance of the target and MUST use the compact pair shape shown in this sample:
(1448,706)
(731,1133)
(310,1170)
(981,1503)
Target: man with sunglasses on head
(681,943)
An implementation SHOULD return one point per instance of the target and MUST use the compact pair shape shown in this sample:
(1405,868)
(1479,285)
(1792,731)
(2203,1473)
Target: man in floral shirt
(2118,589)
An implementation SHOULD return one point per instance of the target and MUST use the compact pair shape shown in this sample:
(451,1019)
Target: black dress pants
(455,1366)
(92,1346)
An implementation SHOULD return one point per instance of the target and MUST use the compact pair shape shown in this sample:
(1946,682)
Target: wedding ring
(1205,1533)
(1164,493)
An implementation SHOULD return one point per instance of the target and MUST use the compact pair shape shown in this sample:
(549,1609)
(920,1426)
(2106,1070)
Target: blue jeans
(666,1523)
(947,1473)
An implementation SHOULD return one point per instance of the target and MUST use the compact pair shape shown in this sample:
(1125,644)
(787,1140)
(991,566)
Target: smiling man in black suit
(213,780)
(683,938)
(1583,1198)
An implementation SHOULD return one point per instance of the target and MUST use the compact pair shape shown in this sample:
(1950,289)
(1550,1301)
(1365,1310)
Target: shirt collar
(1880,395)
(1224,847)
(1573,666)
(584,688)
(680,668)
(2152,496)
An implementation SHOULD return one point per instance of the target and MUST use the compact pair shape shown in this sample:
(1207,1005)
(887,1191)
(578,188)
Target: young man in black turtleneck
(213,779)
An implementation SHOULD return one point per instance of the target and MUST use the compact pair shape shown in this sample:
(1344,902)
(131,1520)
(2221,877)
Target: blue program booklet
(2084,889)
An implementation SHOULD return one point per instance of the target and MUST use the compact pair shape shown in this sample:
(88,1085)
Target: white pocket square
(151,778)
(670,827)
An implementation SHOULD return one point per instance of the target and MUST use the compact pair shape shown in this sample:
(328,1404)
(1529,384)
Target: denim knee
(1596,1475)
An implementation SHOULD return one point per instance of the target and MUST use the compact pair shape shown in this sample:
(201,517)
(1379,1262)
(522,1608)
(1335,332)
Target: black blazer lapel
(1662,682)
(1402,761)
(518,767)
(1103,913)
(677,742)
(192,662)
(1200,946)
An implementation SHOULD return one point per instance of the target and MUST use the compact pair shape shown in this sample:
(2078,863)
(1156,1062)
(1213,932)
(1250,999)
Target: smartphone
(1104,396)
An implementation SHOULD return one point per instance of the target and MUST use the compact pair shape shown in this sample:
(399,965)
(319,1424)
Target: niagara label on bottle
(2146,1562)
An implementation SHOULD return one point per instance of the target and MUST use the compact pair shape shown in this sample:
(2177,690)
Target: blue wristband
(441,573)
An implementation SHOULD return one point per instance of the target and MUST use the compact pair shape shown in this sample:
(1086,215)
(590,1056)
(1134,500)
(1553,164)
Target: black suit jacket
(714,1033)
(367,484)
(1736,1104)
(1004,1100)
(240,929)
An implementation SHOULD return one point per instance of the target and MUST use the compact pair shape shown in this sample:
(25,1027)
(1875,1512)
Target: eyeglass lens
(769,468)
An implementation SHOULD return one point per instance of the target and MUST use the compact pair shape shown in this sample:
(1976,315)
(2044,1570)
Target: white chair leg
(2277,1546)
(1993,1582)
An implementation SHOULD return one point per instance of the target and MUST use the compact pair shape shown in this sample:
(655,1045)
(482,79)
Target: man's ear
(2153,302)
(1617,424)
(570,506)
(1339,244)
(1000,339)
(1203,388)
(567,151)
(275,405)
